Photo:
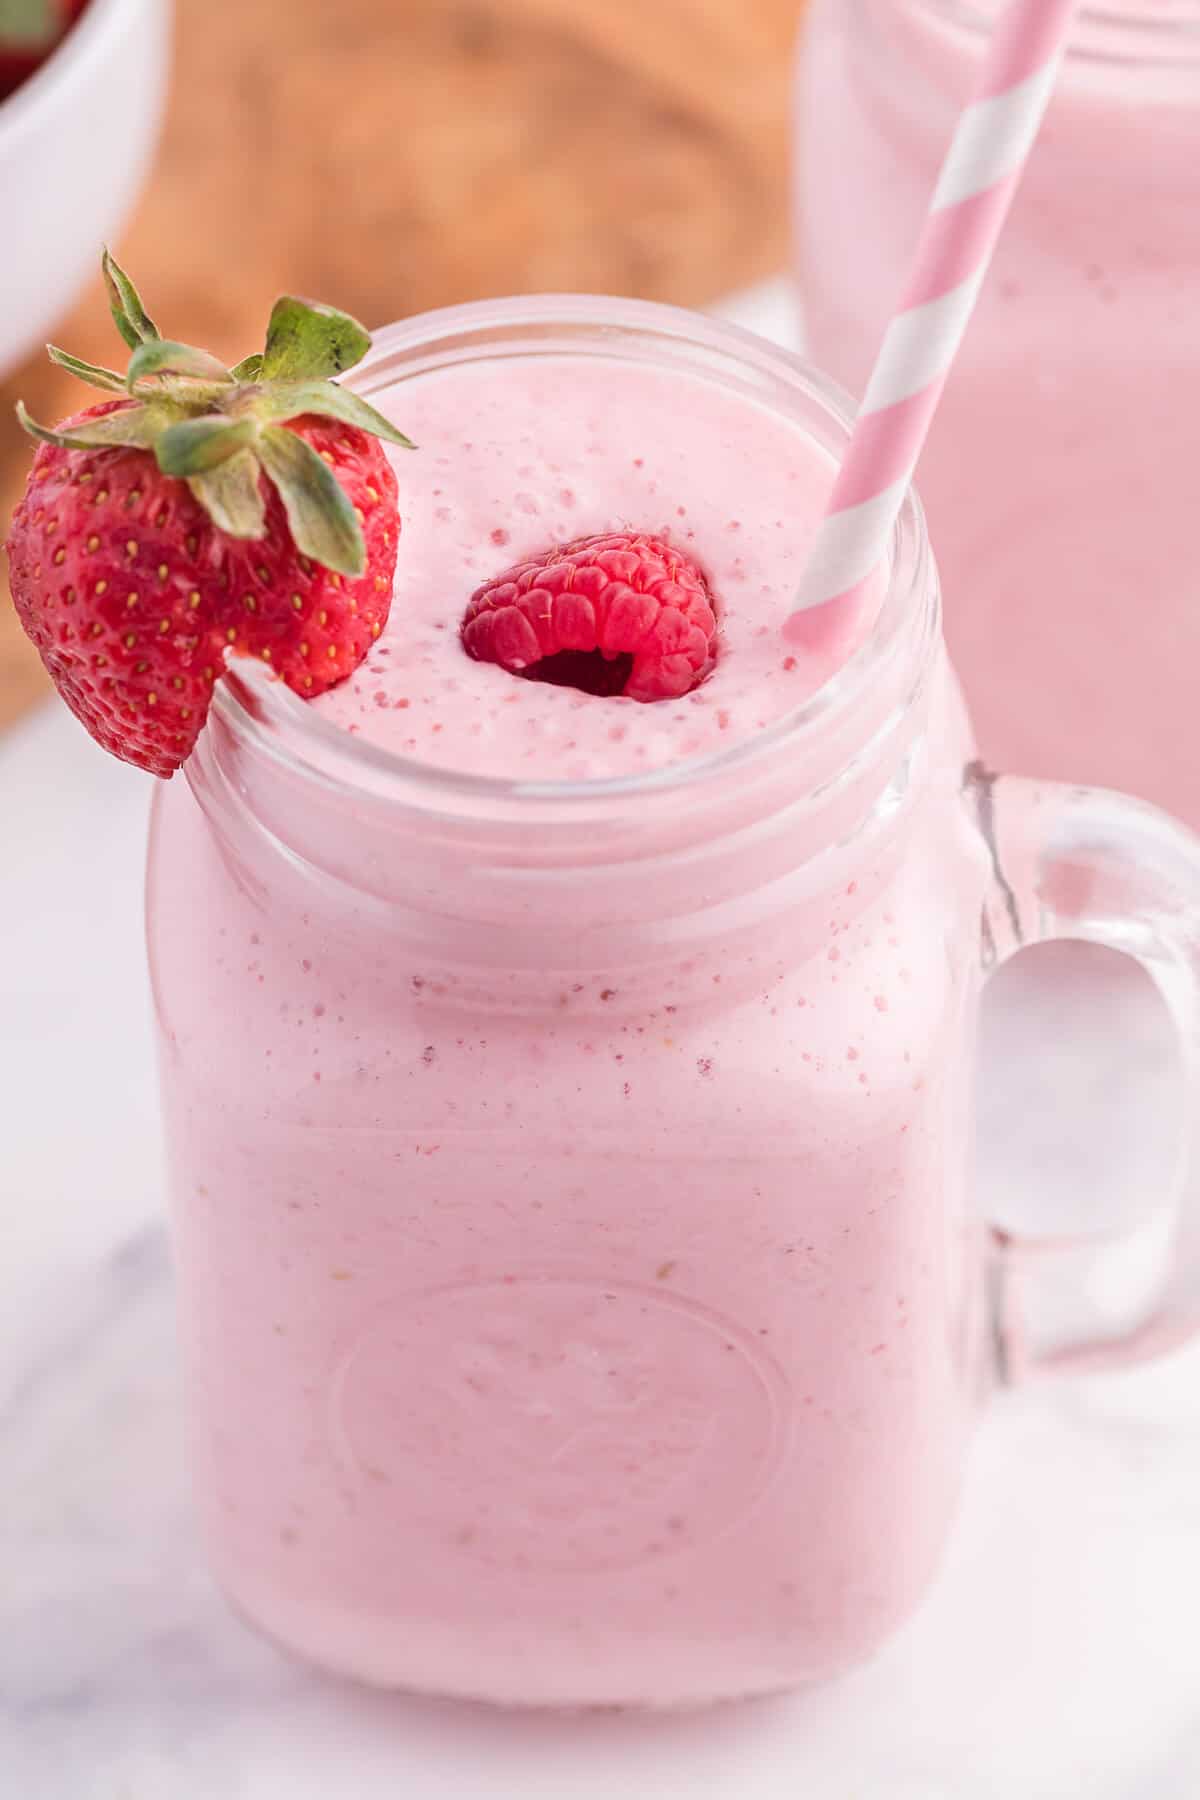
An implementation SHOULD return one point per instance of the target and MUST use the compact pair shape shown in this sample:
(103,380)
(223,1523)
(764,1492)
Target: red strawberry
(207,510)
(29,31)
(16,66)
(623,613)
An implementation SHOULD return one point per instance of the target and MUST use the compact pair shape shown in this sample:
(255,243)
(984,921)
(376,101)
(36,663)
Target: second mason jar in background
(1060,476)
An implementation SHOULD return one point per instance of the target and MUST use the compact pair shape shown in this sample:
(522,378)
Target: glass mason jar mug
(581,1291)
(1059,475)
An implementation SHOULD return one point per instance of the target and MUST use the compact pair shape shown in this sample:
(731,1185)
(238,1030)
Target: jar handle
(1084,863)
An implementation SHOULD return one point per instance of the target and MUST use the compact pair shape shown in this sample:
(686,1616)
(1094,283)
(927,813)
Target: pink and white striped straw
(975,189)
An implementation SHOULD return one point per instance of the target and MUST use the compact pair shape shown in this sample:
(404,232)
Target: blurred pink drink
(1060,479)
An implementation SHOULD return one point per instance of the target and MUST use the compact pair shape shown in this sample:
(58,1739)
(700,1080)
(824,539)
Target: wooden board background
(390,155)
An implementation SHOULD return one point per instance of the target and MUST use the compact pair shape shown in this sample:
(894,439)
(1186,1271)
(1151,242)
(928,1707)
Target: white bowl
(75,143)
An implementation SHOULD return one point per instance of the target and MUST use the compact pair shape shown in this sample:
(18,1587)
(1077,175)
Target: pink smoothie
(514,460)
(1060,475)
(577,1276)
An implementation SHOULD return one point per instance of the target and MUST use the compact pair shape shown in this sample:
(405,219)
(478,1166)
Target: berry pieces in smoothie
(201,511)
(621,613)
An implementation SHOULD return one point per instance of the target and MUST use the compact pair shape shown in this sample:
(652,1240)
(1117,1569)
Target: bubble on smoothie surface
(605,449)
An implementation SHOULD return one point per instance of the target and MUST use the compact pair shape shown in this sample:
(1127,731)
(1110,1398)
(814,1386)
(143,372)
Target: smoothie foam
(519,455)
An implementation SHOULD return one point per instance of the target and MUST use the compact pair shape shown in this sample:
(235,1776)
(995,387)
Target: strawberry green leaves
(290,399)
(223,430)
(319,513)
(162,359)
(92,373)
(231,495)
(196,445)
(129,425)
(129,315)
(307,341)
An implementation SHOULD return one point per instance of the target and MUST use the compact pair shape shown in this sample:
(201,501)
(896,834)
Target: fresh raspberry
(621,613)
(207,510)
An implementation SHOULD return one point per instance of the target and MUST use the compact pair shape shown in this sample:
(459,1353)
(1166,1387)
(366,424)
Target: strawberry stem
(222,430)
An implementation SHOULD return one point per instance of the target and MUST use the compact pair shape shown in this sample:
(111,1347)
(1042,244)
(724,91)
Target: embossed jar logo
(557,1423)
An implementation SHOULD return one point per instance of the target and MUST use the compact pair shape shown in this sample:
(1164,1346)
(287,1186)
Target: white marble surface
(1055,1660)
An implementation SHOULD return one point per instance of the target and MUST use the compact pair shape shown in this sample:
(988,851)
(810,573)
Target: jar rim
(261,712)
(1139,31)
